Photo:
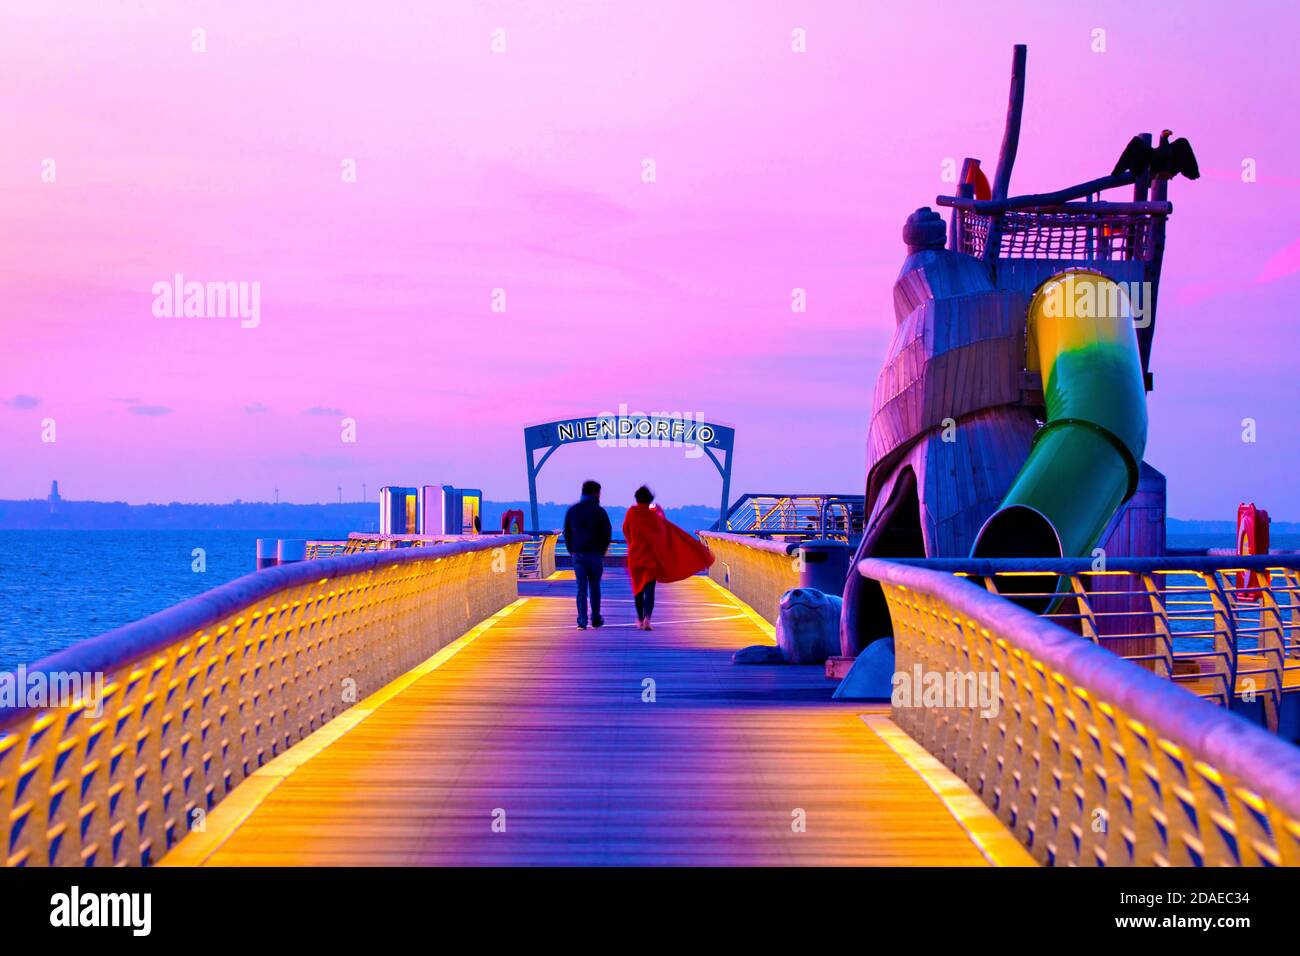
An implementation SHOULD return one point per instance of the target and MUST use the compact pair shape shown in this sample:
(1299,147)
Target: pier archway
(634,430)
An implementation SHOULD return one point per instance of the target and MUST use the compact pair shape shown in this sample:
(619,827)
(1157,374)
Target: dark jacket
(586,528)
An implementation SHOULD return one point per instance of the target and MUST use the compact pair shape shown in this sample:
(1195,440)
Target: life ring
(1252,538)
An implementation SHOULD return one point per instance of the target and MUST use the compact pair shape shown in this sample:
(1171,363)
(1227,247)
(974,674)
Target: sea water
(61,587)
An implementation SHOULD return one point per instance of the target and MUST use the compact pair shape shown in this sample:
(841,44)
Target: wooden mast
(965,190)
(1011,134)
(1010,143)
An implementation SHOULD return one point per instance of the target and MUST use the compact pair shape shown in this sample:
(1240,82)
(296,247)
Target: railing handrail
(985,567)
(138,639)
(1231,743)
(741,514)
(791,494)
(495,533)
(759,544)
(1016,203)
(992,208)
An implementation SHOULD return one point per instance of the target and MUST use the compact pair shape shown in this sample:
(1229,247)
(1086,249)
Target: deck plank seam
(985,830)
(236,809)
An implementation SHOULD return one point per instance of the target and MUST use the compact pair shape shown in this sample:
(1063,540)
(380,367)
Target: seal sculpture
(808,629)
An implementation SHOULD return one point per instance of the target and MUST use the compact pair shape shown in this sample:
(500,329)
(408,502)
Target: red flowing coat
(658,550)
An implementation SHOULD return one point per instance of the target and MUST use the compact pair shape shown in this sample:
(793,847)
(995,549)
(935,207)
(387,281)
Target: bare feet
(646,625)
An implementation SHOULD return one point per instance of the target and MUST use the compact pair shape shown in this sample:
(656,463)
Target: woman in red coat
(657,550)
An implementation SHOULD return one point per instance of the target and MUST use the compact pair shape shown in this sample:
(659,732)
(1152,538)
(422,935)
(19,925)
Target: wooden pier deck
(530,723)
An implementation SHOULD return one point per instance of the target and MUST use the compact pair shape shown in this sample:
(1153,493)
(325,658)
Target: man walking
(586,536)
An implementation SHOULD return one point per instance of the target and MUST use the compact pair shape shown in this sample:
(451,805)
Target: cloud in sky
(1278,265)
(22,402)
(149,411)
(774,170)
(1285,262)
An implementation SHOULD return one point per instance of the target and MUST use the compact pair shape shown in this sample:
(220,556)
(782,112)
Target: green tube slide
(1085,459)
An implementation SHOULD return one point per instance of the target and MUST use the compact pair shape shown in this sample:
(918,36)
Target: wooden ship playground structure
(1009,424)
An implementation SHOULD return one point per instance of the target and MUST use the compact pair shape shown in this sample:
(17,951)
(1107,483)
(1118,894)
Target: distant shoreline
(36,514)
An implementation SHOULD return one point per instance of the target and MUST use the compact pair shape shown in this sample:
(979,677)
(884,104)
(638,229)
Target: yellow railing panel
(756,571)
(198,697)
(1089,759)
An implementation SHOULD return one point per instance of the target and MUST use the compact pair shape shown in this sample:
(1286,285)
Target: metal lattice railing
(328,549)
(756,571)
(1087,758)
(1225,628)
(537,559)
(197,697)
(1074,235)
(839,516)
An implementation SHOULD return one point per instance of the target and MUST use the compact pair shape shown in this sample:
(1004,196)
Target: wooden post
(1159,193)
(1090,237)
(1010,143)
(965,189)
(1142,187)
(1011,134)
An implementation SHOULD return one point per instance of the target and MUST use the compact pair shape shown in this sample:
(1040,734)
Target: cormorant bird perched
(1166,160)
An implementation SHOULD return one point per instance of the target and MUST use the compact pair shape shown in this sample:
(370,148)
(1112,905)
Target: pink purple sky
(522,170)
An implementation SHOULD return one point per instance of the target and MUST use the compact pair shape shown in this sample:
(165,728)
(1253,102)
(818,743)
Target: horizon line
(341,504)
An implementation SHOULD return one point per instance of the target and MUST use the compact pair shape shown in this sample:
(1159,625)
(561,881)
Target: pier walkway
(529,742)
